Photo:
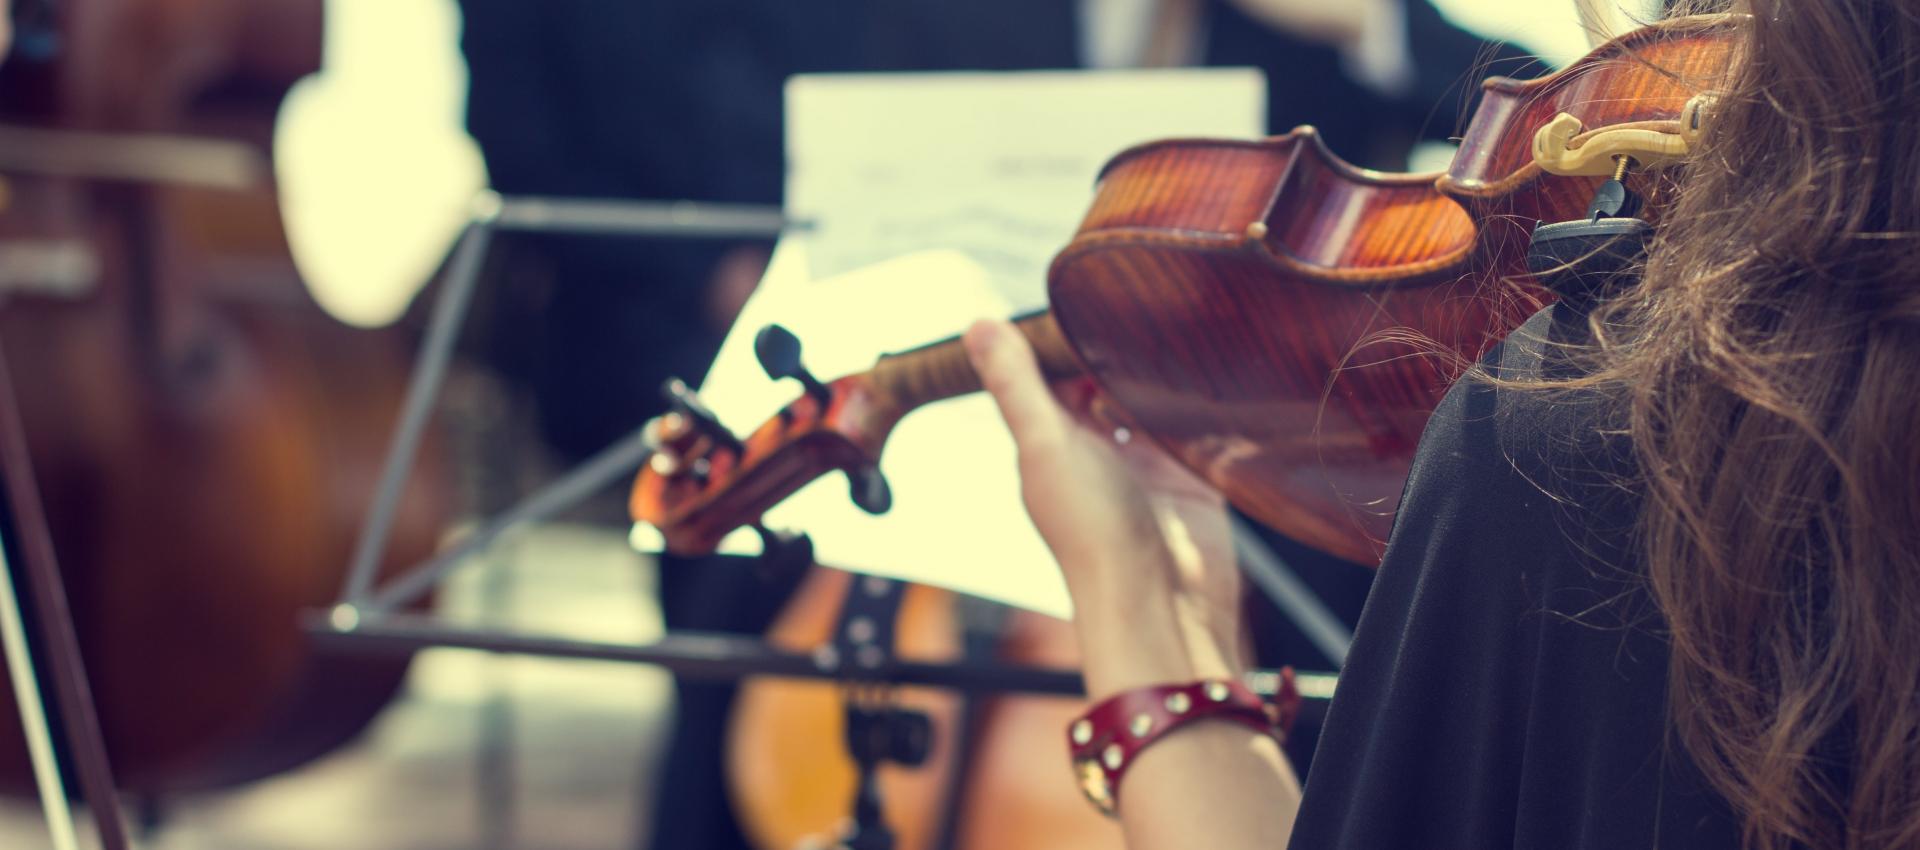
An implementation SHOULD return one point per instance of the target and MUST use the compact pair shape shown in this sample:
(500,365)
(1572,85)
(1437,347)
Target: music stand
(373,617)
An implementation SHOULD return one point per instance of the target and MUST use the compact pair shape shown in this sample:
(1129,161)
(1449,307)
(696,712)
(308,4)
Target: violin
(203,436)
(1282,322)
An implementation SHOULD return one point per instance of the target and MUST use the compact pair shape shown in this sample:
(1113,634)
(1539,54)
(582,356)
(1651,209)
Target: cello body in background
(205,439)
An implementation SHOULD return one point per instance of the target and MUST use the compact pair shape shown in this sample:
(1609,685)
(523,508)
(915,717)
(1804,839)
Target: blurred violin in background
(1282,322)
(203,435)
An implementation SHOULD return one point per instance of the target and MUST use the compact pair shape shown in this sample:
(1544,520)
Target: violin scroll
(703,483)
(778,351)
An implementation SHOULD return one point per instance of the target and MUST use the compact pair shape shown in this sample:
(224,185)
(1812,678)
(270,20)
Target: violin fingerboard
(941,371)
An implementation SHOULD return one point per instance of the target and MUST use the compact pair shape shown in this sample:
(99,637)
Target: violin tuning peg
(687,404)
(657,431)
(778,351)
(685,401)
(664,463)
(869,490)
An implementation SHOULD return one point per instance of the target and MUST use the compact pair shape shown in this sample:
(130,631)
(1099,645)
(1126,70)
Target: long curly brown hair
(1768,362)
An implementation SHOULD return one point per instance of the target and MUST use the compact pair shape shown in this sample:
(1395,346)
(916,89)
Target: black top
(1507,682)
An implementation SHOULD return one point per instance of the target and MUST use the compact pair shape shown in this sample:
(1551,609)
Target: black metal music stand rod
(72,697)
(1284,588)
(695,655)
(611,464)
(722,657)
(492,214)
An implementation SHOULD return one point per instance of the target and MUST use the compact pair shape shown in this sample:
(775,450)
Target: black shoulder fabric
(1506,686)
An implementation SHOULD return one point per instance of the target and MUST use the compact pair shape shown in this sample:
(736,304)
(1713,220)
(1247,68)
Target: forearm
(1213,784)
(1216,785)
(1147,555)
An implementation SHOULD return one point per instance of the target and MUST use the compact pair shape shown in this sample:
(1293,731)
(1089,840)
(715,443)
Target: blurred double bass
(204,437)
(1280,321)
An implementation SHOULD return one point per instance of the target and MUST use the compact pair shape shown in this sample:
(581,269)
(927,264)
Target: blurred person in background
(683,100)
(1375,76)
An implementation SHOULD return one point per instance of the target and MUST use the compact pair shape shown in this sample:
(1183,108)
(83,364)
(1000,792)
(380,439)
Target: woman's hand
(1148,557)
(1145,546)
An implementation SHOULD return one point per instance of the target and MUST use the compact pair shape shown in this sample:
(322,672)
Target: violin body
(1233,333)
(1285,323)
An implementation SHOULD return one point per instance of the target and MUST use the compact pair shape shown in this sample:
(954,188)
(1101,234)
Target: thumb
(1005,363)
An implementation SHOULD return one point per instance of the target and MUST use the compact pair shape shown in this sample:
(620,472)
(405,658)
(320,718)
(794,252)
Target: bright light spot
(344,618)
(376,171)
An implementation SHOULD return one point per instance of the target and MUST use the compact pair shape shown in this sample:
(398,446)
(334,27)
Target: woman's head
(1770,362)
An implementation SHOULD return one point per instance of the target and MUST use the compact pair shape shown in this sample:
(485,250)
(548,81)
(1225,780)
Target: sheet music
(998,166)
(937,200)
(956,520)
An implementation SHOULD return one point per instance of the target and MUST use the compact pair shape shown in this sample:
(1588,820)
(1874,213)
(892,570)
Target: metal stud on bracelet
(1141,725)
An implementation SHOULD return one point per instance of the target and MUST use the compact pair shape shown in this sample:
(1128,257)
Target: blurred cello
(203,436)
(1282,322)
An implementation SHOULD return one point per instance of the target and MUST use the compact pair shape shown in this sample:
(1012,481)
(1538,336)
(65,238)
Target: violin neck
(940,370)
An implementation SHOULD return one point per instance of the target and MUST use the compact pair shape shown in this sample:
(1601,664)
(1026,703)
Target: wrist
(1145,665)
(1140,640)
(1106,740)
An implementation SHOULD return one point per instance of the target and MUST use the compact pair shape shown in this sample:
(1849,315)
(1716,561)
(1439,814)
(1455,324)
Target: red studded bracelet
(1105,741)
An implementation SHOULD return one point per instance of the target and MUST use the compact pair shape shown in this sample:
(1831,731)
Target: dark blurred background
(176,295)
